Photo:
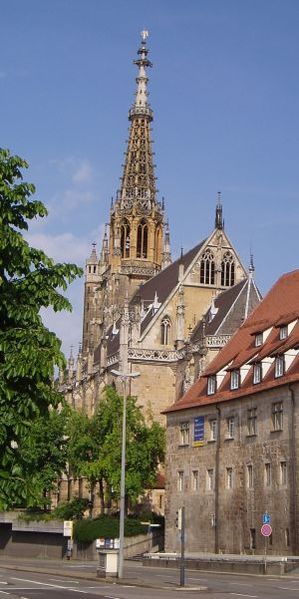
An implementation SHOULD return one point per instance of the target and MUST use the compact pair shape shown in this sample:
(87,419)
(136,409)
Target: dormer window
(211,385)
(234,379)
(279,366)
(258,339)
(257,373)
(283,332)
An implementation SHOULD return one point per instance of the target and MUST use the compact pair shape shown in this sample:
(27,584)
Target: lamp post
(124,377)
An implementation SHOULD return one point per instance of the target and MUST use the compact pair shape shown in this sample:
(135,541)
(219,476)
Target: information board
(199,431)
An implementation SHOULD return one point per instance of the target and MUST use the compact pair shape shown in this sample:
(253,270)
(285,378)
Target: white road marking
(241,595)
(46,584)
(241,584)
(60,580)
(287,589)
(5,592)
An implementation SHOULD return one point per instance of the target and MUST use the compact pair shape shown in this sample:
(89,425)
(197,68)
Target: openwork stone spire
(138,186)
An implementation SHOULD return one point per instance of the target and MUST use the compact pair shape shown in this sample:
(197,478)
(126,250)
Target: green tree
(29,352)
(44,451)
(94,448)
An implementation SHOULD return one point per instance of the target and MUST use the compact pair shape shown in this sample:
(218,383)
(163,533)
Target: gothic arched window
(207,268)
(125,239)
(165,330)
(142,236)
(228,270)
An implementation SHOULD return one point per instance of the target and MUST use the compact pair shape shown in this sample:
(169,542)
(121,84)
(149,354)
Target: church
(144,312)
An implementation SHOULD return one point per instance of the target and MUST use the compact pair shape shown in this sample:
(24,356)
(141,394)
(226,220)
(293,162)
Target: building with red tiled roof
(232,439)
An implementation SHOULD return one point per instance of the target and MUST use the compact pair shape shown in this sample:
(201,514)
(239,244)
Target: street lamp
(124,377)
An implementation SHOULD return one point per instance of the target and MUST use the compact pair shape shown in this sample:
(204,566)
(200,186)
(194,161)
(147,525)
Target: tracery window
(158,238)
(165,330)
(207,268)
(142,237)
(228,270)
(125,239)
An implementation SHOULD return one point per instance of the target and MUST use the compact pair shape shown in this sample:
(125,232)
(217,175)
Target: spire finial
(251,263)
(219,223)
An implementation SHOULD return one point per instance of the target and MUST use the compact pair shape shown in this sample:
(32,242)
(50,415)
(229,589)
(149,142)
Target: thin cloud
(83,174)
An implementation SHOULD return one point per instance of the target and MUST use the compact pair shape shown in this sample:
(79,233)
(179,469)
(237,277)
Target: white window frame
(213,429)
(234,380)
(195,480)
(279,366)
(283,332)
(210,479)
(211,387)
(257,373)
(231,426)
(258,339)
(185,433)
(180,481)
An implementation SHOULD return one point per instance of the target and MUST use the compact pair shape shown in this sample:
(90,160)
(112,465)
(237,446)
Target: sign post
(266,531)
(182,560)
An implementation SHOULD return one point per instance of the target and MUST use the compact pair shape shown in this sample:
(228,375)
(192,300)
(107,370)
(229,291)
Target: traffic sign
(266,530)
(266,518)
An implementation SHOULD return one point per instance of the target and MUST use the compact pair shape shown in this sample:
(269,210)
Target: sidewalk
(135,573)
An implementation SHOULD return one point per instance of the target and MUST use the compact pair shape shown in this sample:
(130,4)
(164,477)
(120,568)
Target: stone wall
(227,518)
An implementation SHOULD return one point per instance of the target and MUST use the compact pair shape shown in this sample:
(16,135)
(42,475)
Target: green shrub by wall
(106,527)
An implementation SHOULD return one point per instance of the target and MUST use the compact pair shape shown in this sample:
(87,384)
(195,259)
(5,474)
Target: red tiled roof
(281,305)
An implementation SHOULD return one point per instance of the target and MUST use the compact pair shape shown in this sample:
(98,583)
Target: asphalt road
(31,585)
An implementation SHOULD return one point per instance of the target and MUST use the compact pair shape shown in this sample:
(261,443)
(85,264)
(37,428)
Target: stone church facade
(144,312)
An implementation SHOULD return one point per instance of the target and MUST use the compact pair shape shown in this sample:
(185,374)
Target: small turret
(219,223)
(166,254)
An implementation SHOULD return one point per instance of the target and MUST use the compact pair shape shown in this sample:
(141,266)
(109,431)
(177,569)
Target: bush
(71,510)
(106,527)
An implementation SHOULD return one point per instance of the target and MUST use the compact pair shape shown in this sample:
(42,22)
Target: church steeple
(137,217)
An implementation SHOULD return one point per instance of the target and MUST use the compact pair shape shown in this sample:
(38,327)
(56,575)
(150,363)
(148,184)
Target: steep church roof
(229,310)
(270,333)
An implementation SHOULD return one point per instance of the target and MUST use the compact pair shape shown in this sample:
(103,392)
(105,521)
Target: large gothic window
(142,238)
(228,270)
(125,239)
(207,268)
(165,330)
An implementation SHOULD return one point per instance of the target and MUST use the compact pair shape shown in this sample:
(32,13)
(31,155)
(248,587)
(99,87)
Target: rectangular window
(258,339)
(252,538)
(184,433)
(229,478)
(234,379)
(210,479)
(283,332)
(252,421)
(211,385)
(283,473)
(268,475)
(279,366)
(277,416)
(180,480)
(195,480)
(213,430)
(257,373)
(250,476)
(231,427)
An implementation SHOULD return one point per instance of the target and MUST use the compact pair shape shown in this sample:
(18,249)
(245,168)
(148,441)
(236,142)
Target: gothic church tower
(137,245)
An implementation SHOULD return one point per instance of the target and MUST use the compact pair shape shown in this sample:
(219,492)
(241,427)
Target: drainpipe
(293,456)
(217,482)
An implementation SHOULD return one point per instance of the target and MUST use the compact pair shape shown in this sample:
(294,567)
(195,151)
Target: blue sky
(225,94)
